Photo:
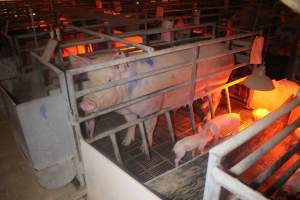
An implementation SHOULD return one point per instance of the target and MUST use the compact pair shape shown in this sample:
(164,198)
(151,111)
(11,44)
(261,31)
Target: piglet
(223,125)
(191,143)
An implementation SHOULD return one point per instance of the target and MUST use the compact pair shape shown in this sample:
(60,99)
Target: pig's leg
(216,100)
(130,135)
(150,126)
(90,127)
(216,97)
(179,156)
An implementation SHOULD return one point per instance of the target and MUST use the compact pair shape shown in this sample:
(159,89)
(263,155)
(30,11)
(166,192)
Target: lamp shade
(259,82)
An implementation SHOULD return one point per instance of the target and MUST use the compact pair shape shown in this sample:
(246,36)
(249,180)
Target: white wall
(107,181)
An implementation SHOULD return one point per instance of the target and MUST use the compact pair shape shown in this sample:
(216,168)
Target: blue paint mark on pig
(43,111)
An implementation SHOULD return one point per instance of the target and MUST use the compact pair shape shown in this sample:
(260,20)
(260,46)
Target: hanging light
(258,80)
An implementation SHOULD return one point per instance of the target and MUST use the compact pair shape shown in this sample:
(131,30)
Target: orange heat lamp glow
(297,133)
(77,50)
(259,113)
(135,39)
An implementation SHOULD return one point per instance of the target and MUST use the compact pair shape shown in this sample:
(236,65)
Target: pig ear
(77,61)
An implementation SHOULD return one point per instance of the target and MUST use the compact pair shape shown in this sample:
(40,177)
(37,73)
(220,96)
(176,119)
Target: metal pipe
(235,186)
(269,171)
(246,162)
(239,139)
(156,53)
(170,126)
(101,35)
(287,174)
(116,148)
(228,99)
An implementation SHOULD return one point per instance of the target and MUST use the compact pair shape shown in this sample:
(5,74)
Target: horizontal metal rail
(237,140)
(127,80)
(269,171)
(156,93)
(184,102)
(135,101)
(137,33)
(235,186)
(283,178)
(216,154)
(52,67)
(156,53)
(101,35)
(160,71)
(262,150)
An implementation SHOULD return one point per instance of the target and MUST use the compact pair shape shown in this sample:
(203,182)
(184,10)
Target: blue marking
(149,61)
(132,85)
(43,111)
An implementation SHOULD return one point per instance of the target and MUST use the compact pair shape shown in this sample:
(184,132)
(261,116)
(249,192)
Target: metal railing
(217,177)
(75,95)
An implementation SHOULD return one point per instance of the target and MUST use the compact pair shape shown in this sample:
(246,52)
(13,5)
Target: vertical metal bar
(144,139)
(212,189)
(213,31)
(192,87)
(211,108)
(170,125)
(116,147)
(228,99)
(67,88)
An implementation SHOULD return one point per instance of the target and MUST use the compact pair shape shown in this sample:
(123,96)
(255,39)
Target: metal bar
(287,174)
(134,101)
(101,35)
(235,186)
(156,53)
(231,144)
(212,189)
(116,147)
(150,95)
(170,125)
(129,124)
(144,139)
(151,73)
(52,67)
(268,172)
(228,99)
(127,80)
(244,164)
(192,88)
(211,108)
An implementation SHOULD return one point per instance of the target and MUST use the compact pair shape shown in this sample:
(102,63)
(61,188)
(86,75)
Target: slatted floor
(162,157)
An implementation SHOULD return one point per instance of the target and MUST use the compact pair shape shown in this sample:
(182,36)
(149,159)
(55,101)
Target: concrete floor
(16,180)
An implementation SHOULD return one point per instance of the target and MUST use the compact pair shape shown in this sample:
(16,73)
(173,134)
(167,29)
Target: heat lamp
(258,80)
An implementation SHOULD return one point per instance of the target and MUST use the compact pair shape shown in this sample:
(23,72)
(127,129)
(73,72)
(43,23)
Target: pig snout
(88,105)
